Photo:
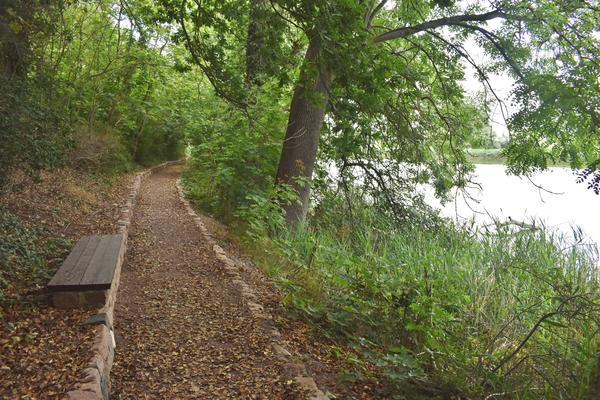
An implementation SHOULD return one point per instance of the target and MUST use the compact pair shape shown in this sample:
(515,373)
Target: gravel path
(182,330)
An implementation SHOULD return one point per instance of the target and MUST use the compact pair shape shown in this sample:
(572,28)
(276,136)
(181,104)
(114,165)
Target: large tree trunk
(307,113)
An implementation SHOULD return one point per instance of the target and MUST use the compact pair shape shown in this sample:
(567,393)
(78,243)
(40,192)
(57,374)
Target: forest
(309,129)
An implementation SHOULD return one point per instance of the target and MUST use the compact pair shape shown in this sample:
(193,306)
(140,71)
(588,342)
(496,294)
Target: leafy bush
(123,90)
(33,135)
(233,159)
(264,216)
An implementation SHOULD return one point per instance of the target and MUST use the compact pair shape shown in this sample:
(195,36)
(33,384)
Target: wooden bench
(86,277)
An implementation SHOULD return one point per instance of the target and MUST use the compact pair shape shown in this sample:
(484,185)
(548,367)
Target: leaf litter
(182,326)
(43,350)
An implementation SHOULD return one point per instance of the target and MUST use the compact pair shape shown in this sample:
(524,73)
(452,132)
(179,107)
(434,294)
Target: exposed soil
(68,203)
(43,350)
(183,331)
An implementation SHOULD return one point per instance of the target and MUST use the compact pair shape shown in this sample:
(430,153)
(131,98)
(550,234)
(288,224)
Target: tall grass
(442,310)
(509,313)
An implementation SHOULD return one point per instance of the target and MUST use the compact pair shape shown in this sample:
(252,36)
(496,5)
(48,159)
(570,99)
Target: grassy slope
(486,156)
(494,156)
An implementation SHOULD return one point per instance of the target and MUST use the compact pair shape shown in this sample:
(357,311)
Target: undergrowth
(27,259)
(442,310)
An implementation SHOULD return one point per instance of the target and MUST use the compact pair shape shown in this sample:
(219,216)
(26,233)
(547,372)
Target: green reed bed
(485,314)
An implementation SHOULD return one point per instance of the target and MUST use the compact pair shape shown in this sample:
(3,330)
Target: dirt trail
(182,330)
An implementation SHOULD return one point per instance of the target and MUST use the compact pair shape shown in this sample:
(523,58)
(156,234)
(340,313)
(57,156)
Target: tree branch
(372,12)
(482,75)
(205,68)
(528,336)
(495,41)
(436,23)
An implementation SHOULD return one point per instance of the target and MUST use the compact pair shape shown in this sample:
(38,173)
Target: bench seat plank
(101,268)
(73,267)
(90,265)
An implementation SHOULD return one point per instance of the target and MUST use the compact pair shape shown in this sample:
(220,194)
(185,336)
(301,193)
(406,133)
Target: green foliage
(32,134)
(130,88)
(402,100)
(441,310)
(263,215)
(95,71)
(172,114)
(447,308)
(23,256)
(435,306)
(557,121)
(233,157)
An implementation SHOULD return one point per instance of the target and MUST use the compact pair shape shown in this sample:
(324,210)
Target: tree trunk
(254,42)
(306,116)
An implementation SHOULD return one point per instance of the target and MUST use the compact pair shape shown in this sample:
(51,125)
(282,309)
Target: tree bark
(306,116)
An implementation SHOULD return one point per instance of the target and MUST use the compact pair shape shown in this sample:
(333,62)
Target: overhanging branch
(198,60)
(372,12)
(436,23)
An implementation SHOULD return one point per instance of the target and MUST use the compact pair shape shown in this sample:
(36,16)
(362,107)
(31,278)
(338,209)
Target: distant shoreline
(485,156)
(493,156)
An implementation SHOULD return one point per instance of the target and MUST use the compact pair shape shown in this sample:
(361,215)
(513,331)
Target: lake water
(503,196)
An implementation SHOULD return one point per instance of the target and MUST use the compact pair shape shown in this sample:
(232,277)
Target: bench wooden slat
(69,264)
(90,265)
(101,268)
(73,268)
(75,276)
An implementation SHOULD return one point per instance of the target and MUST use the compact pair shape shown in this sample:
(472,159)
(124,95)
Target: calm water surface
(504,196)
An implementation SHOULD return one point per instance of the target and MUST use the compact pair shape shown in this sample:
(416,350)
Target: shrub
(233,158)
(33,135)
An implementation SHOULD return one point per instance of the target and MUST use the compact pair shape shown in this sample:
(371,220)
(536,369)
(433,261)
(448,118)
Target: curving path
(182,330)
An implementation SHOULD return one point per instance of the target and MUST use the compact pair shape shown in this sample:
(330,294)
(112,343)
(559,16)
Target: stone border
(95,384)
(295,368)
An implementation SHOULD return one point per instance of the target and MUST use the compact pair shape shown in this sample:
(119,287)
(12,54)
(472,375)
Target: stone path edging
(95,384)
(296,369)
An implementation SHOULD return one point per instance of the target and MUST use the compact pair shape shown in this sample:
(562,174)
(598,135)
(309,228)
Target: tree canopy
(387,77)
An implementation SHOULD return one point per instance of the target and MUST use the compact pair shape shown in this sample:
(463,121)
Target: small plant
(263,215)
